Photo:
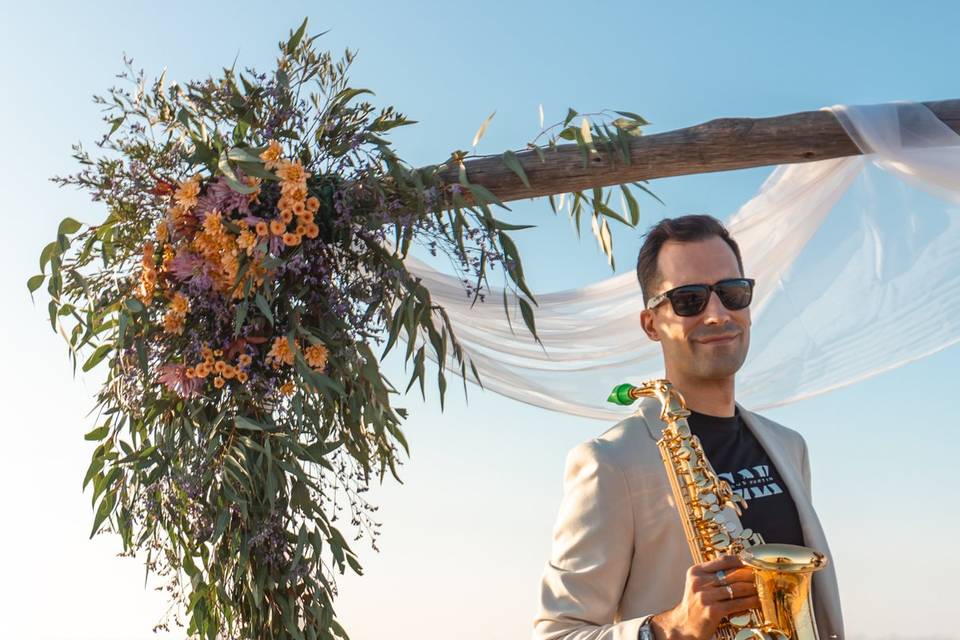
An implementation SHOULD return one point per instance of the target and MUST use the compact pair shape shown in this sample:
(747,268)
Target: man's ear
(646,321)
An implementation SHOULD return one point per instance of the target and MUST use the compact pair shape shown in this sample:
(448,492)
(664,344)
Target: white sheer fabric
(857,262)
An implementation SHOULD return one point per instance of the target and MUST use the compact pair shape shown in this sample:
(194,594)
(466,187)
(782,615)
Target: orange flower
(241,376)
(163,232)
(286,215)
(180,305)
(313,205)
(294,190)
(229,372)
(291,239)
(173,323)
(262,228)
(301,229)
(316,356)
(305,217)
(284,203)
(313,230)
(277,227)
(244,359)
(271,155)
(280,352)
(292,171)
(202,370)
(299,207)
(287,389)
(218,382)
(187,192)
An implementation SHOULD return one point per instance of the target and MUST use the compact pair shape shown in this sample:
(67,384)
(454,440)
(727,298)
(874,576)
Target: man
(620,565)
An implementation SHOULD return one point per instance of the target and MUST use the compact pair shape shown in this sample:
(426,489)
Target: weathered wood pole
(719,145)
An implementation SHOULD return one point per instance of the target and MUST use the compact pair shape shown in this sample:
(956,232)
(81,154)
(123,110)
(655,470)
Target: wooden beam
(719,145)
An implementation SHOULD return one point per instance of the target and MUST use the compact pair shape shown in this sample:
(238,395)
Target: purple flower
(220,196)
(184,264)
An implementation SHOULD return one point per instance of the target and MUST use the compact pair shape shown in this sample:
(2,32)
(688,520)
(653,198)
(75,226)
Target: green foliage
(235,492)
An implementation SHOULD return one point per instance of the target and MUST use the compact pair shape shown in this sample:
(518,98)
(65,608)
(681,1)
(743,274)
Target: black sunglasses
(691,299)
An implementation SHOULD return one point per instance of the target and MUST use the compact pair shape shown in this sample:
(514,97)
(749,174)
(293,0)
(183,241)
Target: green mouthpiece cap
(621,395)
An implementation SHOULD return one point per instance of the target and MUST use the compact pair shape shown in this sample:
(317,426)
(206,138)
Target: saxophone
(710,514)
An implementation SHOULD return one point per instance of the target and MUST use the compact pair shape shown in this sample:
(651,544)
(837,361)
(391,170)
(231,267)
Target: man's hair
(690,228)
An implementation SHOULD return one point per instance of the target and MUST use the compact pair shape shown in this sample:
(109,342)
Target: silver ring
(721,578)
(729,592)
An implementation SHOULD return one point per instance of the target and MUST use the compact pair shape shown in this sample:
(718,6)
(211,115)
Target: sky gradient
(464,538)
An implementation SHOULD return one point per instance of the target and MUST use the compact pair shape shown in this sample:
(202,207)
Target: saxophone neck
(673,407)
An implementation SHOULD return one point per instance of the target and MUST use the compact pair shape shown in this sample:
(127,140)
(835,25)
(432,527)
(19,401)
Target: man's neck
(710,397)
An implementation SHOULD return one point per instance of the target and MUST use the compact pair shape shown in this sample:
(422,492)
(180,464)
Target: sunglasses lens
(689,301)
(734,294)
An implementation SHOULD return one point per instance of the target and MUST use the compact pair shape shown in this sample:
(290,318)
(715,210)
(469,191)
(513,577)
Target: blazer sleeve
(592,551)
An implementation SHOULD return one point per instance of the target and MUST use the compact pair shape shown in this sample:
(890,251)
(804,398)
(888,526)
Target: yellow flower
(271,156)
(316,356)
(287,389)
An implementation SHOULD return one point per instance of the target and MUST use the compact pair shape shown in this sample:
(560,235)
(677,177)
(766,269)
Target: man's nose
(715,313)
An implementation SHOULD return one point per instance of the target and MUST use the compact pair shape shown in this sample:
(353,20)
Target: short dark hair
(689,228)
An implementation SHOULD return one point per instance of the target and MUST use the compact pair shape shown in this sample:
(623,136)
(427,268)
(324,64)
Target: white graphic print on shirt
(752,482)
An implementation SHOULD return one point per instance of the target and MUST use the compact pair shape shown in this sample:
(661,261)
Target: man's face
(713,344)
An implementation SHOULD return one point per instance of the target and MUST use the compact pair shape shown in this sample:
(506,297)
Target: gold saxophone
(710,513)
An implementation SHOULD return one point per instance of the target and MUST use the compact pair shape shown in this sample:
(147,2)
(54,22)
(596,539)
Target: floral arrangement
(250,261)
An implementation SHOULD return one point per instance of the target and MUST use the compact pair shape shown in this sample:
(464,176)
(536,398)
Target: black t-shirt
(738,458)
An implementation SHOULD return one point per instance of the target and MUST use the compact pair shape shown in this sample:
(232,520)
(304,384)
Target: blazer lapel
(826,595)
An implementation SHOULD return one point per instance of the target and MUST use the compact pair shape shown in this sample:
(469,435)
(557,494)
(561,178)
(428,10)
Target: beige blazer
(619,553)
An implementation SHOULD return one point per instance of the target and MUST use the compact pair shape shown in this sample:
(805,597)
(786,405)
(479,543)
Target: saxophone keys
(707,500)
(720,540)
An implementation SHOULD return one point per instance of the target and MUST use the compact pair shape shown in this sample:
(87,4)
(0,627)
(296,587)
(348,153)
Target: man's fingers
(723,594)
(723,563)
(708,579)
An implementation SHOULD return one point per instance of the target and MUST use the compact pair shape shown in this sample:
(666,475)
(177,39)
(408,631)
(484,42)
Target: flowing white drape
(857,262)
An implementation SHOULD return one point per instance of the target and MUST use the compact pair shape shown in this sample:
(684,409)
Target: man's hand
(706,601)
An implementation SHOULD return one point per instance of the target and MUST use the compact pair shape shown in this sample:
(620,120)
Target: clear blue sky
(464,539)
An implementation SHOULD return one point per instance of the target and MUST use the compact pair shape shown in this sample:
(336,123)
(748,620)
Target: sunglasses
(691,299)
